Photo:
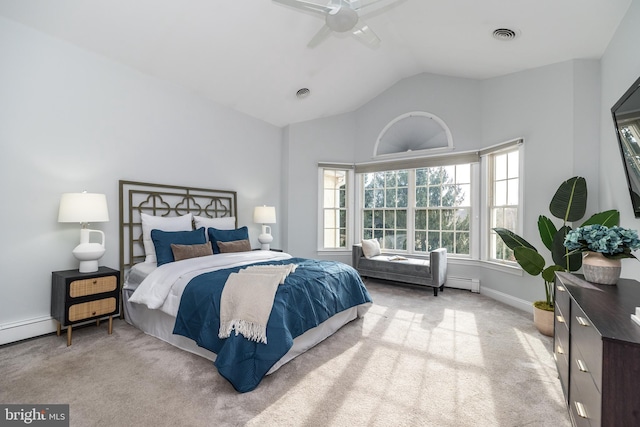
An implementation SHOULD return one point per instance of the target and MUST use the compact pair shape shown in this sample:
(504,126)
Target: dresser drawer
(586,399)
(562,299)
(96,285)
(91,309)
(588,342)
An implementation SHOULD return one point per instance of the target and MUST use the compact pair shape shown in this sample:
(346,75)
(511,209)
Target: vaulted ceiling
(252,55)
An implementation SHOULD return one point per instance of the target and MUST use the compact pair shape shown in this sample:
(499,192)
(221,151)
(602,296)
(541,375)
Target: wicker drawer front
(97,285)
(91,309)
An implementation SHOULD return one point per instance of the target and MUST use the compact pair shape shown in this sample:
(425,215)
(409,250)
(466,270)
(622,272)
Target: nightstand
(79,297)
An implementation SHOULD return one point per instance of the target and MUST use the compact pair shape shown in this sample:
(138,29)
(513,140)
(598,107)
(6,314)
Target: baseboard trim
(472,285)
(508,299)
(24,329)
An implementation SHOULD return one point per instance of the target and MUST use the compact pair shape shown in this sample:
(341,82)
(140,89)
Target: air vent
(504,34)
(303,93)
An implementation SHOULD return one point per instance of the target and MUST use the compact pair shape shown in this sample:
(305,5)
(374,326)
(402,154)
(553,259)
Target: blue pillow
(162,241)
(216,236)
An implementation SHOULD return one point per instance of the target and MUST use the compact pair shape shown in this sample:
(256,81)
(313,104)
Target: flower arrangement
(614,243)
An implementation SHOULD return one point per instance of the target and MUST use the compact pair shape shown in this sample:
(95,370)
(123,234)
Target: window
(335,203)
(504,190)
(443,209)
(417,210)
(385,208)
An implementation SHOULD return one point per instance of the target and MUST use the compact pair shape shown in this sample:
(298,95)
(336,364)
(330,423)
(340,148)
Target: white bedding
(162,288)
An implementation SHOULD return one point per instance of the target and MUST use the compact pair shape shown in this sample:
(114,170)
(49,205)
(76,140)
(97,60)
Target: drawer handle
(582,413)
(582,366)
(95,282)
(560,350)
(582,321)
(560,319)
(560,288)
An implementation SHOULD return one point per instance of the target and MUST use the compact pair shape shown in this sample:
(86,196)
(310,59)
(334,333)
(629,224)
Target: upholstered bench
(404,269)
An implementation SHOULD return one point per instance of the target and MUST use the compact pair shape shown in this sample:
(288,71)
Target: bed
(184,299)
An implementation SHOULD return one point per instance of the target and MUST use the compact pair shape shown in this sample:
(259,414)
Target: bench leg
(435,291)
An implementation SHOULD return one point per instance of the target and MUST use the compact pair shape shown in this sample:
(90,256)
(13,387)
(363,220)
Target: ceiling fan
(342,16)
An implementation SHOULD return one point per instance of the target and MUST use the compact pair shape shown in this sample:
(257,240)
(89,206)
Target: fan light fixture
(342,16)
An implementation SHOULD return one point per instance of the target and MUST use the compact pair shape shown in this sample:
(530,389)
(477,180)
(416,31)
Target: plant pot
(543,319)
(601,270)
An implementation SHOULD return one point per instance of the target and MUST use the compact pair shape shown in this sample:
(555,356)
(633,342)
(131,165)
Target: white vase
(599,269)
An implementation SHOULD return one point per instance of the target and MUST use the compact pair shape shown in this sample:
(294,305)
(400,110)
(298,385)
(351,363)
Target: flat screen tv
(626,118)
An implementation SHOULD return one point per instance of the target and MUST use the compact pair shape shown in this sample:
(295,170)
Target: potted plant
(569,204)
(603,248)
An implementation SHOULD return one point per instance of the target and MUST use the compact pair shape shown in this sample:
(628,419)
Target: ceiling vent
(504,34)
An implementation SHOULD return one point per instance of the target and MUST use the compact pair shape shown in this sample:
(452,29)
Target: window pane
(329,198)
(389,219)
(390,179)
(403,178)
(463,174)
(433,240)
(512,191)
(462,243)
(329,218)
(421,241)
(377,218)
(368,180)
(401,240)
(343,218)
(421,197)
(500,169)
(378,198)
(391,198)
(433,219)
(512,160)
(448,219)
(368,199)
(421,177)
(401,219)
(367,217)
(462,221)
(434,196)
(342,197)
(403,197)
(449,175)
(464,195)
(421,219)
(447,241)
(449,195)
(500,196)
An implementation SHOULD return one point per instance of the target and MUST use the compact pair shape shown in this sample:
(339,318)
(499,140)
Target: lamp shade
(264,215)
(83,207)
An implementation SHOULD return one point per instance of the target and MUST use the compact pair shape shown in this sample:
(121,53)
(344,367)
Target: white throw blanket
(247,300)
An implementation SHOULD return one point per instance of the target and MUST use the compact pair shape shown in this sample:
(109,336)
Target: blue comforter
(313,293)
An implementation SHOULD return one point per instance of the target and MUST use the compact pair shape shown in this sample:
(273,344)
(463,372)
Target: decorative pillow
(181,252)
(225,223)
(150,222)
(234,246)
(371,248)
(162,241)
(216,235)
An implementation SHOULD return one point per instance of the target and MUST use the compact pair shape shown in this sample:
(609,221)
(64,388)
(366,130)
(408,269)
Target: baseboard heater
(472,285)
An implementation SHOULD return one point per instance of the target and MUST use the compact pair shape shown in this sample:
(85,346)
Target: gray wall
(73,121)
(620,68)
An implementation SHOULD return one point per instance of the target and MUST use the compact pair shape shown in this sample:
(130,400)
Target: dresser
(79,297)
(597,350)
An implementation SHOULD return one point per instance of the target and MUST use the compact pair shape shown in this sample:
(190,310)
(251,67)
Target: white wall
(73,121)
(620,68)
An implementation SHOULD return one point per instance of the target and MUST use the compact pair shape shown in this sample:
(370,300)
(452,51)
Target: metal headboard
(167,201)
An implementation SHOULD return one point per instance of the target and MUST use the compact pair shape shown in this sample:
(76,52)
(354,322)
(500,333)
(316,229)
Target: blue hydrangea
(599,238)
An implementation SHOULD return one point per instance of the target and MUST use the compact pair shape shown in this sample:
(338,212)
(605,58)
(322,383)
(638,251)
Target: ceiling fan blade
(319,37)
(365,5)
(305,5)
(365,34)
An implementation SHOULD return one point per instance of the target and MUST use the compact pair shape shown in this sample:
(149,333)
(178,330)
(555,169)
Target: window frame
(349,201)
(488,159)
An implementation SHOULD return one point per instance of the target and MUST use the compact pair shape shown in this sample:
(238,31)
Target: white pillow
(225,223)
(371,248)
(150,222)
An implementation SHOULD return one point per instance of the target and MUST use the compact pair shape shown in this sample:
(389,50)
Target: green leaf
(570,201)
(549,273)
(530,260)
(570,260)
(547,230)
(511,239)
(606,218)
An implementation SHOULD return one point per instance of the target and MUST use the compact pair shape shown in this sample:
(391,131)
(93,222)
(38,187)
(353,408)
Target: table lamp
(265,215)
(85,208)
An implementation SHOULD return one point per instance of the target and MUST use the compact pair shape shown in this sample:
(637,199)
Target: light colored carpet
(460,359)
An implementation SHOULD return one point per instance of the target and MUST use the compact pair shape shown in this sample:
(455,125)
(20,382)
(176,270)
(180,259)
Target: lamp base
(88,266)
(265,239)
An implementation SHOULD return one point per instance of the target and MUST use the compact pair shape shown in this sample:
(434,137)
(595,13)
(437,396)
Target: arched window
(415,131)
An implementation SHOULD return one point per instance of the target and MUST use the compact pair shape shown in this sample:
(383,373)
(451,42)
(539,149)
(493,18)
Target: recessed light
(303,93)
